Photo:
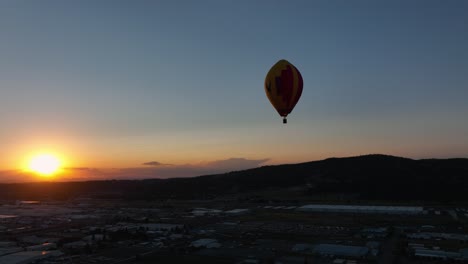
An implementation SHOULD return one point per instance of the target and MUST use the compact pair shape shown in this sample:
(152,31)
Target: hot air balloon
(283,87)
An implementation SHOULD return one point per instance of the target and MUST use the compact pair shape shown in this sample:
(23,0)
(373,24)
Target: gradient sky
(114,84)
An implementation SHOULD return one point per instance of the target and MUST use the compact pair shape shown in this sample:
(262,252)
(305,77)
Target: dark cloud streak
(155,163)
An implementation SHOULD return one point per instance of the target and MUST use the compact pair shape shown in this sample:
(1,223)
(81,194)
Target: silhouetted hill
(370,177)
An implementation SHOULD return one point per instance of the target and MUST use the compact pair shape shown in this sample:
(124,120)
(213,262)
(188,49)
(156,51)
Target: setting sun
(44,164)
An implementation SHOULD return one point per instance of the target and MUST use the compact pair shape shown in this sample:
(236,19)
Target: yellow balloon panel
(283,86)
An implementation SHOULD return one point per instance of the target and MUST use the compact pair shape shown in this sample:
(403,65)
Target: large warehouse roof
(362,208)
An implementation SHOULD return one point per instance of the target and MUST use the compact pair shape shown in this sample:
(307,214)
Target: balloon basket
(285,121)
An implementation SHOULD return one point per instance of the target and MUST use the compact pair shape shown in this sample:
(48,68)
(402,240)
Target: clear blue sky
(126,82)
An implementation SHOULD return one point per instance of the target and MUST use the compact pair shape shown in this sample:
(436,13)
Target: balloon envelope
(283,87)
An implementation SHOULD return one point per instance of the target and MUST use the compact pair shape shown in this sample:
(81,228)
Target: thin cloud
(86,170)
(80,168)
(155,163)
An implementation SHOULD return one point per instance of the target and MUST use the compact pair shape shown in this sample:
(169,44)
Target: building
(161,227)
(45,246)
(380,232)
(237,211)
(340,250)
(4,244)
(205,212)
(302,247)
(373,209)
(75,245)
(205,243)
(436,254)
(434,235)
(26,257)
(10,250)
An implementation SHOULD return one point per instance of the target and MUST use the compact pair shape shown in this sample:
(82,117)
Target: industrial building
(434,235)
(419,250)
(205,243)
(237,211)
(334,208)
(437,254)
(25,257)
(340,250)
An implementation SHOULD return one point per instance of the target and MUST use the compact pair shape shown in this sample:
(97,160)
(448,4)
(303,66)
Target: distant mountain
(369,177)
